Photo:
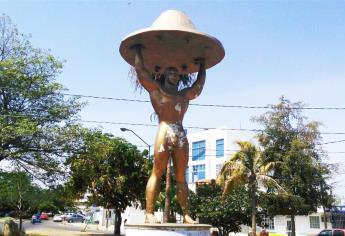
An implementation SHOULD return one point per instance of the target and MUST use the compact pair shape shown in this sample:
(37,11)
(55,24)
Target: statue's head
(171,75)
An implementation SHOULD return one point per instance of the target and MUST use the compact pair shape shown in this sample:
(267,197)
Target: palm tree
(247,167)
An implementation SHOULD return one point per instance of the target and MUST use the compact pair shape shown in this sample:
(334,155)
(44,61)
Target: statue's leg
(161,157)
(180,160)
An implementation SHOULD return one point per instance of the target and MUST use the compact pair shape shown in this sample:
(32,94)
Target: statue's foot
(188,220)
(151,219)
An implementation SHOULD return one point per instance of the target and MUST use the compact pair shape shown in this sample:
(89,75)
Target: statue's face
(172,76)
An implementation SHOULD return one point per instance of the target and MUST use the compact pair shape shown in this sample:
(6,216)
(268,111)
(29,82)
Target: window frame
(220,148)
(313,223)
(199,150)
(197,169)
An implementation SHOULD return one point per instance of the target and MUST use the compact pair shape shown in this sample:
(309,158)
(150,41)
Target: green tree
(327,199)
(56,198)
(36,120)
(112,170)
(293,142)
(19,193)
(227,214)
(249,168)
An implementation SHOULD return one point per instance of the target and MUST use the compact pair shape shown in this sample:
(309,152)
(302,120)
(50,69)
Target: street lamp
(148,145)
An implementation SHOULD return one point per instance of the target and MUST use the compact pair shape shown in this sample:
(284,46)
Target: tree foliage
(21,194)
(18,193)
(36,120)
(112,170)
(293,142)
(226,214)
(248,167)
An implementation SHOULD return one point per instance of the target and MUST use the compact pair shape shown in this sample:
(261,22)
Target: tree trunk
(324,216)
(293,226)
(253,206)
(117,223)
(20,209)
(167,204)
(20,222)
(106,218)
(220,231)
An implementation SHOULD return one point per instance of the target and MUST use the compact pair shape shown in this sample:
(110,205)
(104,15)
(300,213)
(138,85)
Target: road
(50,228)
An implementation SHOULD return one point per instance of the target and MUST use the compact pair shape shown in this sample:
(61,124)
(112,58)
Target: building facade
(207,153)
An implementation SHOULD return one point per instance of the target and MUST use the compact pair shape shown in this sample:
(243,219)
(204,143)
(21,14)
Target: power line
(189,127)
(198,104)
(234,150)
(206,105)
(337,141)
(155,125)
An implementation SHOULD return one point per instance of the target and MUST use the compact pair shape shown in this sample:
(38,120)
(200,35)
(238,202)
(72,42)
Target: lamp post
(148,145)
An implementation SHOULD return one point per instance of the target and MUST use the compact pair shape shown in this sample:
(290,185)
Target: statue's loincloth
(175,135)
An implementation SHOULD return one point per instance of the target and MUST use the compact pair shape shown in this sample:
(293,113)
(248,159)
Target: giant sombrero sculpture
(173,41)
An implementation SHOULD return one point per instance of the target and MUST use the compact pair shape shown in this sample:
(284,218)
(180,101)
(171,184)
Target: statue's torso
(170,107)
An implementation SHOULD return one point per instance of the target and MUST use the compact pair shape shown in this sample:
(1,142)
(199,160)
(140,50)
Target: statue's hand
(199,61)
(136,47)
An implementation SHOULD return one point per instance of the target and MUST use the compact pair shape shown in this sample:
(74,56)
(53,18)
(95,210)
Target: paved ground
(50,228)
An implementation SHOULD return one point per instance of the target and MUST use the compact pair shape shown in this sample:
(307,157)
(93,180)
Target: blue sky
(273,48)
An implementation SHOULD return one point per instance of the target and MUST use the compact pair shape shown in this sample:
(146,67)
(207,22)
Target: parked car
(332,232)
(35,219)
(75,218)
(66,214)
(44,216)
(57,218)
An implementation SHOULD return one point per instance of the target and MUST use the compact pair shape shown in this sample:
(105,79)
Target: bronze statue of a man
(170,106)
(171,49)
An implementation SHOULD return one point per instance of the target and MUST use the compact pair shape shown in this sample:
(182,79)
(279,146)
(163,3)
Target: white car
(57,218)
(65,215)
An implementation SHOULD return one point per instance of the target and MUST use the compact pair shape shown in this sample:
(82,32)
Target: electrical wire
(206,105)
(197,104)
(155,125)
(337,141)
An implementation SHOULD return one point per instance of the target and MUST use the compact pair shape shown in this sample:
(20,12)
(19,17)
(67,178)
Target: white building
(305,225)
(208,150)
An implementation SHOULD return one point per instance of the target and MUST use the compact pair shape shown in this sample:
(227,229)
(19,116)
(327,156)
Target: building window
(198,150)
(220,148)
(314,222)
(187,175)
(267,222)
(198,172)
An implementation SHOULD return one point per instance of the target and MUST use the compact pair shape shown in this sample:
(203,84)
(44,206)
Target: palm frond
(268,166)
(269,181)
(226,171)
(236,179)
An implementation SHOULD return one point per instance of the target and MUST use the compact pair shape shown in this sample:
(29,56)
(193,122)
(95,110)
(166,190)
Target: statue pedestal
(167,229)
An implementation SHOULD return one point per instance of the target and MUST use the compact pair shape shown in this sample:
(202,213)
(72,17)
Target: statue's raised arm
(195,90)
(143,74)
